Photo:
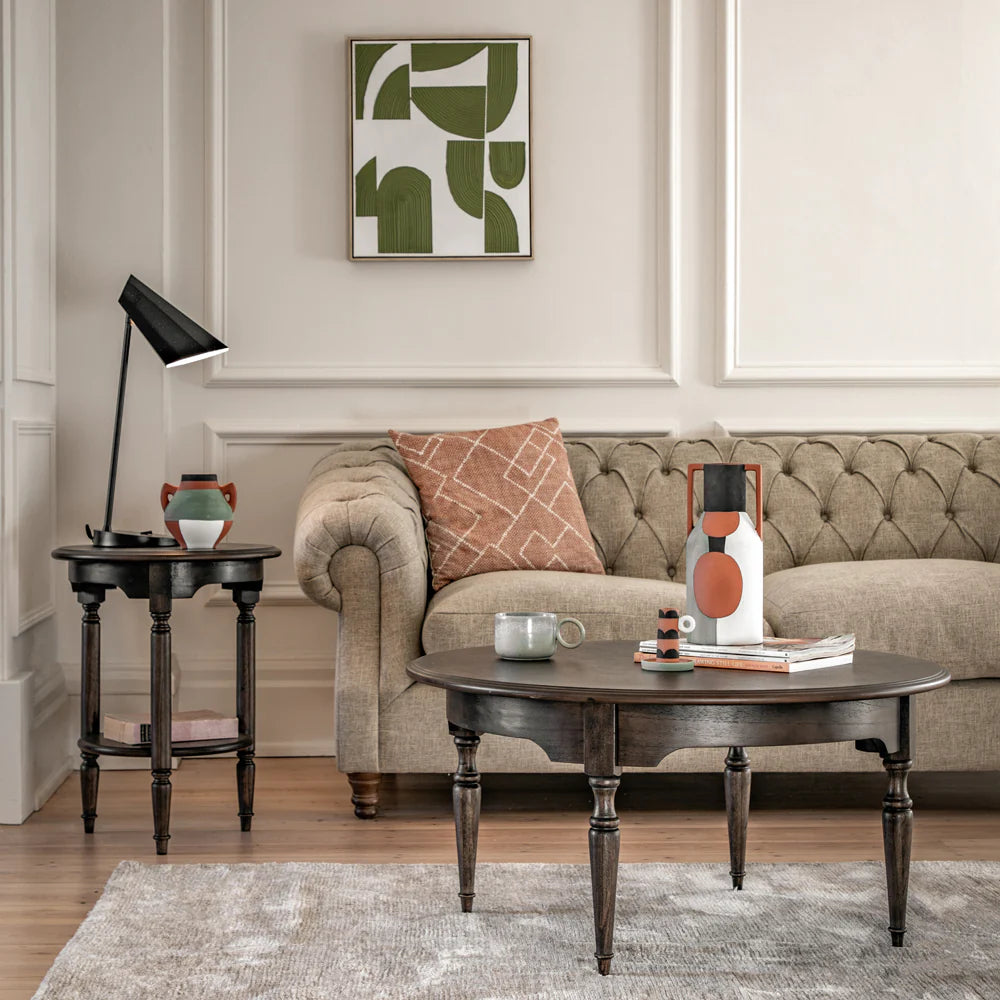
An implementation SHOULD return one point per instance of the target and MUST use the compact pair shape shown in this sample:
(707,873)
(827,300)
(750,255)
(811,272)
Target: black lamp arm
(113,472)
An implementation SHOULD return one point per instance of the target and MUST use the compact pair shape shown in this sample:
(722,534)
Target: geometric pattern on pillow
(498,499)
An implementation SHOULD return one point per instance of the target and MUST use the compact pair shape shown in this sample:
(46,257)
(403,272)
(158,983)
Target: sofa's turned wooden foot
(364,789)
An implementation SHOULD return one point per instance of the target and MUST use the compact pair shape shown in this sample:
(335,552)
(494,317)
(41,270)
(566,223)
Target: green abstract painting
(440,148)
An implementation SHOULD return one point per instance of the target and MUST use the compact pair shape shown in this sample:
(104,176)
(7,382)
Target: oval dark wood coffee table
(594,706)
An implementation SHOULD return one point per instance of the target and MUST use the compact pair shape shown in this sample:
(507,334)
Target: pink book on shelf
(202,724)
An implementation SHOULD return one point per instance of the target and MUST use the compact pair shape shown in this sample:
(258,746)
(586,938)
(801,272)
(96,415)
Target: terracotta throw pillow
(498,499)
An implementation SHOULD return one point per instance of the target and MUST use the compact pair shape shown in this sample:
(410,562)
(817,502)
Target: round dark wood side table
(594,706)
(161,576)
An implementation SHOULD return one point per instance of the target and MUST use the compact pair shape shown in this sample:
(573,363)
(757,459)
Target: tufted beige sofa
(896,538)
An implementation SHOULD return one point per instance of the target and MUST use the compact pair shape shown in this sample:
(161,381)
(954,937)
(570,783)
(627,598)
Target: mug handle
(571,621)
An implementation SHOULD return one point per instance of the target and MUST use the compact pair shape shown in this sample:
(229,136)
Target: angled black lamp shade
(177,340)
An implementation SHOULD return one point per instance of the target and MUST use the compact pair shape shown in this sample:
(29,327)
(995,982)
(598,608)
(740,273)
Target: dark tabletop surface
(604,672)
(225,550)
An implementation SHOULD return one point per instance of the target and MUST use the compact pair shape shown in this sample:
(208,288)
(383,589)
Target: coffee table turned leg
(897,834)
(600,761)
(604,843)
(737,782)
(466,797)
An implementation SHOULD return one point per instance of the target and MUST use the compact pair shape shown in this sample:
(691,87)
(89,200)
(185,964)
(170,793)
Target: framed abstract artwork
(439,163)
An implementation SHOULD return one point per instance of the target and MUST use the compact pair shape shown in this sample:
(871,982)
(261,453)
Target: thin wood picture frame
(439,148)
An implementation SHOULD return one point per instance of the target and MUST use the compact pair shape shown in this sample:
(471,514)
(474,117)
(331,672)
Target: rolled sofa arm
(360,550)
(359,494)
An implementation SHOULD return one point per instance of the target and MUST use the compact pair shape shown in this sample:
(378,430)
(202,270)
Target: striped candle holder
(668,645)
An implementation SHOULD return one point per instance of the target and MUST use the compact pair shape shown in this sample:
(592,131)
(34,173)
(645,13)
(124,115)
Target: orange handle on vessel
(166,495)
(758,482)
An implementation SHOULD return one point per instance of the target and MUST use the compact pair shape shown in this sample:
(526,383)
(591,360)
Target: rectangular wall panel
(35,523)
(861,213)
(33,191)
(294,312)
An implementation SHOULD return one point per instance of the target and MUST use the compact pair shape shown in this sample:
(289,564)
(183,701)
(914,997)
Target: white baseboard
(296,748)
(50,784)
(51,737)
(17,799)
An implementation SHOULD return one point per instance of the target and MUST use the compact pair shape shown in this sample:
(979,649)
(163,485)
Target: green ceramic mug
(531,635)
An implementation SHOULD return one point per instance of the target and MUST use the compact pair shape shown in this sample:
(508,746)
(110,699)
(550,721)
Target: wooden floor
(51,873)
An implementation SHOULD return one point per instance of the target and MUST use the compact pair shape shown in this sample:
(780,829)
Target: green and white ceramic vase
(199,512)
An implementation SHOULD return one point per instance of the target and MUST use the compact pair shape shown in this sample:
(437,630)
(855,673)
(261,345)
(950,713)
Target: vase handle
(166,495)
(692,469)
(229,492)
(759,490)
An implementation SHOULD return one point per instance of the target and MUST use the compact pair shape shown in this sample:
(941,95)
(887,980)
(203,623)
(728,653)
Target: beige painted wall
(707,244)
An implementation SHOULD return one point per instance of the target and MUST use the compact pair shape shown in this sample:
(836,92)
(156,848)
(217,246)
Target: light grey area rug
(321,931)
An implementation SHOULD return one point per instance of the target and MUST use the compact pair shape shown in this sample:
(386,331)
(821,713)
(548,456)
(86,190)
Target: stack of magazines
(783,656)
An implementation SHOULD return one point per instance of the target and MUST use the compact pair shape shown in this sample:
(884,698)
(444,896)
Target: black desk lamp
(178,340)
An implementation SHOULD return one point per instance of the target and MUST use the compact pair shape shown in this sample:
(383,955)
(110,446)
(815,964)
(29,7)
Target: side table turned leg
(737,782)
(90,773)
(466,797)
(897,834)
(244,787)
(246,665)
(160,749)
(90,705)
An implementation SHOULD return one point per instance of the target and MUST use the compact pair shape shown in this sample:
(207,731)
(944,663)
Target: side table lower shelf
(96,743)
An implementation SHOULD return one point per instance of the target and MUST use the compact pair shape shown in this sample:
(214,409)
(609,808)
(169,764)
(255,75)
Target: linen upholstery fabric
(945,610)
(620,608)
(835,504)
(360,551)
(498,499)
(834,498)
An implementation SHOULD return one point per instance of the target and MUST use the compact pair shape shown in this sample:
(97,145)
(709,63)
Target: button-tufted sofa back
(826,499)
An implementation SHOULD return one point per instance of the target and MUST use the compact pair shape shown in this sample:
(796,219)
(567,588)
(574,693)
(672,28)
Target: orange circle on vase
(718,584)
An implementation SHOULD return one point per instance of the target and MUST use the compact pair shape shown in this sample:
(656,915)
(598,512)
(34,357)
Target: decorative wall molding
(40,563)
(304,678)
(49,694)
(6,184)
(222,372)
(289,673)
(118,678)
(733,370)
(221,435)
(809,426)
(49,785)
(280,594)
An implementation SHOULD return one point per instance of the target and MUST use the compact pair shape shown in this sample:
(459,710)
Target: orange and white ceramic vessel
(725,559)
(199,512)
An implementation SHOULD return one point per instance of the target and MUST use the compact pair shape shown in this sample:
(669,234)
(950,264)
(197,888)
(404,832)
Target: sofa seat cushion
(944,610)
(610,607)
